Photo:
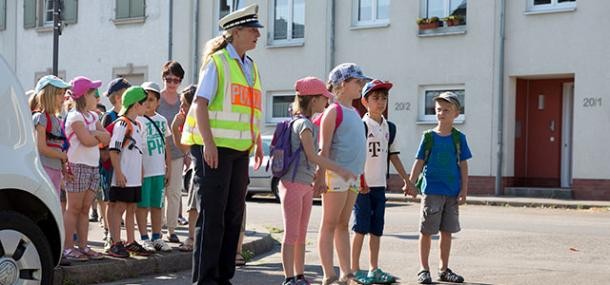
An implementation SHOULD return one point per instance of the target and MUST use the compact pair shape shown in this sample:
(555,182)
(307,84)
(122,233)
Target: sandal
(91,254)
(423,277)
(329,280)
(72,254)
(362,277)
(187,245)
(239,260)
(380,277)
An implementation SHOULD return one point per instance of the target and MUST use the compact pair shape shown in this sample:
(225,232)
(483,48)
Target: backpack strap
(428,141)
(157,128)
(392,130)
(455,135)
(87,123)
(339,118)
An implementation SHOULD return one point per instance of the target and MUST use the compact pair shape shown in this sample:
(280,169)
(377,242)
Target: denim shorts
(369,212)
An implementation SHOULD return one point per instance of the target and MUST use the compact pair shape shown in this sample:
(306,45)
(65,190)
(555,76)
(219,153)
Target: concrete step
(555,193)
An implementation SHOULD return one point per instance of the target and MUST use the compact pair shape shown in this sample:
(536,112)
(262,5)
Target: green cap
(132,95)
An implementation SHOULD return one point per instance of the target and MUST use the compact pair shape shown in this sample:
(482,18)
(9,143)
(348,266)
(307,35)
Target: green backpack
(428,142)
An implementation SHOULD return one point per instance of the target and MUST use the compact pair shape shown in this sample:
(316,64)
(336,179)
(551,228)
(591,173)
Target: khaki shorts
(439,213)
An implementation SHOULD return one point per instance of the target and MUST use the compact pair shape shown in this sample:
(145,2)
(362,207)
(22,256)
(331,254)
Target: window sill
(128,21)
(285,44)
(550,11)
(420,122)
(442,31)
(44,29)
(366,26)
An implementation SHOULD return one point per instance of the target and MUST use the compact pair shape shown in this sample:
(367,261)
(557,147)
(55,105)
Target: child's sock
(300,277)
(144,237)
(156,236)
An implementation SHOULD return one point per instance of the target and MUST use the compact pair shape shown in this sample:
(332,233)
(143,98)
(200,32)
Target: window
(39,13)
(443,9)
(550,5)
(287,21)
(224,8)
(136,75)
(2,15)
(427,112)
(280,105)
(130,9)
(371,12)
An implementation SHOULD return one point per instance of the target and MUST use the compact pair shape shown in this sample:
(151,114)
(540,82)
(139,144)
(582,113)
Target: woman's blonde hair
(47,99)
(217,44)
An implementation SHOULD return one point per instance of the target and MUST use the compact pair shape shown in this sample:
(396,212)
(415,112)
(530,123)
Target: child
(186,98)
(369,209)
(126,155)
(84,133)
(295,190)
(155,160)
(442,160)
(49,95)
(115,91)
(344,142)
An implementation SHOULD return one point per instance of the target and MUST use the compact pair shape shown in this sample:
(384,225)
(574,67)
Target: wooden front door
(538,132)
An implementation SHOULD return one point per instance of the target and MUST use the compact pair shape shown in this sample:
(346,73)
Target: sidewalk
(112,269)
(516,202)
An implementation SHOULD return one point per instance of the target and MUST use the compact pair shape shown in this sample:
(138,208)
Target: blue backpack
(281,154)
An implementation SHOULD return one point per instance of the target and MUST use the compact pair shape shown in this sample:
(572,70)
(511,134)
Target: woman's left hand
(258,158)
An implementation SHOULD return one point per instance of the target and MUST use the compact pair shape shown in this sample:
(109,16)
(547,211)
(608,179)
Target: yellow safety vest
(234,112)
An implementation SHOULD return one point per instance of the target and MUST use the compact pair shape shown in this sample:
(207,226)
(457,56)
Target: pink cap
(81,84)
(311,86)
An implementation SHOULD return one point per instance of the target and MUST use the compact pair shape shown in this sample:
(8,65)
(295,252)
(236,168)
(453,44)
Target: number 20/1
(591,102)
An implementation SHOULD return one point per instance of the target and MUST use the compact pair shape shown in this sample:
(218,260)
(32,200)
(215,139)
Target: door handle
(552,126)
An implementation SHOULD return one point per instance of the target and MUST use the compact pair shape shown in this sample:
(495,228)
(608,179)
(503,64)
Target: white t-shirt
(78,153)
(131,152)
(153,148)
(377,139)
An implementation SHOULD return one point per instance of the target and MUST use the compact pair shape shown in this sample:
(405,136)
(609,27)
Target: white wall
(575,43)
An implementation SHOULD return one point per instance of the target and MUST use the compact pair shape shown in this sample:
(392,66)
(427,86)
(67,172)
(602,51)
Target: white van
(31,224)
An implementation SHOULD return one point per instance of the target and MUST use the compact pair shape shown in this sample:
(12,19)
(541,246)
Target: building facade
(532,75)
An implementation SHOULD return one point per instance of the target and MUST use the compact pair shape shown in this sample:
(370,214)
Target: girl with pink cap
(295,187)
(84,133)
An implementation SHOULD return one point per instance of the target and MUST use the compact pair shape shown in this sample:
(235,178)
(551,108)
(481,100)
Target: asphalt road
(498,245)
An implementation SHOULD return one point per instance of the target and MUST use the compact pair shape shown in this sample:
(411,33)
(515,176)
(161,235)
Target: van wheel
(274,182)
(25,255)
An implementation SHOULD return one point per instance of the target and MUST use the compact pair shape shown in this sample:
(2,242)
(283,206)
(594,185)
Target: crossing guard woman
(222,126)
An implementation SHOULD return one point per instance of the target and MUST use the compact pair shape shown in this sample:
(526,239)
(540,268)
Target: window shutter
(29,14)
(70,11)
(122,9)
(136,8)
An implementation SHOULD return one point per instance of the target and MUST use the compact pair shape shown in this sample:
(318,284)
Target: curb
(113,269)
(507,202)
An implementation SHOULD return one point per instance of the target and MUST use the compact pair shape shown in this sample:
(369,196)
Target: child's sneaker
(423,277)
(173,238)
(148,245)
(106,235)
(118,250)
(136,249)
(449,276)
(160,245)
(302,282)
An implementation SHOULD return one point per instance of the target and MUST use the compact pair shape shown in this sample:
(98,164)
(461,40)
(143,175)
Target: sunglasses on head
(173,80)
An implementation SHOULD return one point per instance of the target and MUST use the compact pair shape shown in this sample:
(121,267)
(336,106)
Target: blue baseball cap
(116,85)
(346,71)
(53,81)
(375,84)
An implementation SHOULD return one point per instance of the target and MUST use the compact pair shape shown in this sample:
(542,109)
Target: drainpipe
(331,37)
(170,35)
(500,72)
(195,38)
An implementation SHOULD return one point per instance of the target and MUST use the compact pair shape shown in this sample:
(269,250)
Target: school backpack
(48,132)
(281,154)
(317,120)
(392,129)
(107,164)
(429,141)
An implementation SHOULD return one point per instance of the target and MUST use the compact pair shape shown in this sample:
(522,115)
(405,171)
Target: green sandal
(362,278)
(380,277)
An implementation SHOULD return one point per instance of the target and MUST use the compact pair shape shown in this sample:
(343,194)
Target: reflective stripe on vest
(234,113)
